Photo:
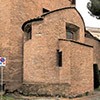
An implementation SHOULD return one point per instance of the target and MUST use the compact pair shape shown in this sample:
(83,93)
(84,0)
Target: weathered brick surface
(12,15)
(41,65)
(80,66)
(96,44)
(36,62)
(11,44)
(41,49)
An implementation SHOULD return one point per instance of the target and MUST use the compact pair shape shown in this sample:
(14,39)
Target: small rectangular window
(28,34)
(59,58)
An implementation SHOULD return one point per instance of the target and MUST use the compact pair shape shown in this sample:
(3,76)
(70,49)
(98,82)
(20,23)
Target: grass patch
(98,89)
(6,98)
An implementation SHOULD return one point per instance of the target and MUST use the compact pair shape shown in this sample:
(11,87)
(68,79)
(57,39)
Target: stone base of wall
(41,89)
(12,86)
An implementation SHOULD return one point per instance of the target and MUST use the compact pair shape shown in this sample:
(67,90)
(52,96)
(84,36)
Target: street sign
(2,61)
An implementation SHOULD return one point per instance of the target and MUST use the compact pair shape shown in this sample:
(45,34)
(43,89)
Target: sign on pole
(2,61)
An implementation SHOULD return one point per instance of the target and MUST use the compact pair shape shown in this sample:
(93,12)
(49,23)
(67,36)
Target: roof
(40,18)
(94,31)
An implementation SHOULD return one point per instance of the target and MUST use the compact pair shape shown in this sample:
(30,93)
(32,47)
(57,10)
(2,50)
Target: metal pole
(1,82)
(2,79)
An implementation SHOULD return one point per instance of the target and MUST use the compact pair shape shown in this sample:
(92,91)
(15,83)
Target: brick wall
(41,49)
(40,54)
(40,60)
(81,68)
(12,15)
(96,52)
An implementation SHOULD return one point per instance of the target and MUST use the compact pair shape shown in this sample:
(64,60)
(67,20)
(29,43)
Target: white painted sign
(2,61)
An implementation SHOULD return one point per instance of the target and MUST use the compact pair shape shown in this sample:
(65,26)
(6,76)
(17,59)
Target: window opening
(72,31)
(28,33)
(59,58)
(2,87)
(29,36)
(70,34)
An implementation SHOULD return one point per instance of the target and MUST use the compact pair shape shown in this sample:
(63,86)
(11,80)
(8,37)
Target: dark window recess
(29,33)
(45,10)
(29,36)
(73,1)
(2,87)
(70,35)
(59,58)
(96,76)
(72,31)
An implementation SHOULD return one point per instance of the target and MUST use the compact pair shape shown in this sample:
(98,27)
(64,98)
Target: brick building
(52,54)
(93,38)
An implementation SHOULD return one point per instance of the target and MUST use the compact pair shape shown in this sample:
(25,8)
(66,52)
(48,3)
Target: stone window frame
(71,28)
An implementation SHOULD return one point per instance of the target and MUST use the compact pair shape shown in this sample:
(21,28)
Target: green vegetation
(6,98)
(94,8)
(98,89)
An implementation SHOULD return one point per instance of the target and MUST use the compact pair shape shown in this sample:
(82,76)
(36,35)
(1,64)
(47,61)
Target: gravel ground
(95,96)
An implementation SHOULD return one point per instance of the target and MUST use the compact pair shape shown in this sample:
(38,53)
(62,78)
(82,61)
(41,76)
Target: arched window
(72,31)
